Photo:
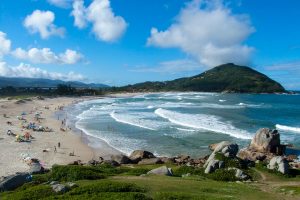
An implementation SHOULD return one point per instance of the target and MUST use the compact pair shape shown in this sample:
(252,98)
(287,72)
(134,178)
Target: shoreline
(42,145)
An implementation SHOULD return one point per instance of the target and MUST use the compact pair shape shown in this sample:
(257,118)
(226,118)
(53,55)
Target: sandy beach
(42,145)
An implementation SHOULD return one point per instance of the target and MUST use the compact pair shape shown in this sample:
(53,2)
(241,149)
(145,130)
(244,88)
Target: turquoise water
(170,124)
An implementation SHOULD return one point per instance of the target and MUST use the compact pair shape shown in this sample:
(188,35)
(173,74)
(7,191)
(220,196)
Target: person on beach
(55,149)
(58,144)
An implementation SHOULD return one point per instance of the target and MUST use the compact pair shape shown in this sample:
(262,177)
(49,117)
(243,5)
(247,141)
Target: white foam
(222,100)
(202,121)
(185,129)
(116,141)
(220,106)
(131,119)
(288,128)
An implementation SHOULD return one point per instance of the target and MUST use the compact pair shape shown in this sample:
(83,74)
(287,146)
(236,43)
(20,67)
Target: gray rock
(53,183)
(14,181)
(280,164)
(59,188)
(150,161)
(226,148)
(239,174)
(138,155)
(121,159)
(72,185)
(161,171)
(93,162)
(213,165)
(35,168)
(265,140)
(167,160)
(111,162)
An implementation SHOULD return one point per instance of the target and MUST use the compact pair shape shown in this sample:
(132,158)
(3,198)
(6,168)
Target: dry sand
(11,151)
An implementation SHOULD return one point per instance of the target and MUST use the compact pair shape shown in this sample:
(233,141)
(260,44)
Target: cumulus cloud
(5,44)
(208,31)
(61,3)
(42,22)
(79,12)
(46,56)
(27,71)
(105,24)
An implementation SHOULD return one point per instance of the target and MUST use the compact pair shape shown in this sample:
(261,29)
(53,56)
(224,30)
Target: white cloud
(5,45)
(27,71)
(79,14)
(46,56)
(61,3)
(106,25)
(173,67)
(42,22)
(209,32)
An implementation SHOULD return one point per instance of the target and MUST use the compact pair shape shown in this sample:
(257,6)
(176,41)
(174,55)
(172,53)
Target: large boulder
(266,141)
(249,154)
(280,164)
(138,155)
(150,161)
(121,159)
(14,181)
(161,171)
(228,149)
(213,165)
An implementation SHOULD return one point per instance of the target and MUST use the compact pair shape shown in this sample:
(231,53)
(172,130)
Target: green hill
(224,78)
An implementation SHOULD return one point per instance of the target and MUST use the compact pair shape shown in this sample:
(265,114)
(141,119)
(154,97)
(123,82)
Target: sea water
(170,124)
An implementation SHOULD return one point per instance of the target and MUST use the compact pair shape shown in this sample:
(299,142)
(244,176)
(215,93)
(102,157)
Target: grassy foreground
(106,182)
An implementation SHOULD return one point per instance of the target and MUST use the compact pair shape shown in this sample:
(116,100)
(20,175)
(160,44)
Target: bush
(28,193)
(106,186)
(223,175)
(179,171)
(74,173)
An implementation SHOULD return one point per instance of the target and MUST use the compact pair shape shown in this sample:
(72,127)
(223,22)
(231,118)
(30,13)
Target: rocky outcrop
(213,165)
(121,159)
(227,149)
(162,171)
(14,181)
(266,141)
(150,161)
(279,164)
(264,145)
(138,155)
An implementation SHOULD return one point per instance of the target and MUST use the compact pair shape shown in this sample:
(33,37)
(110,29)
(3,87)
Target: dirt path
(267,185)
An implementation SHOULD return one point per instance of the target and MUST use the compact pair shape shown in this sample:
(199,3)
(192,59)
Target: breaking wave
(202,121)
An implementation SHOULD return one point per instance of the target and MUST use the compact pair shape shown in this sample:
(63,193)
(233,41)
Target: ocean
(170,124)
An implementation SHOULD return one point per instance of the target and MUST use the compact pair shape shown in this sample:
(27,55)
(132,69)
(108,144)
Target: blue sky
(121,42)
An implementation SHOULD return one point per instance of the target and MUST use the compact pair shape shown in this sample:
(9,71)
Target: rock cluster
(225,148)
(264,145)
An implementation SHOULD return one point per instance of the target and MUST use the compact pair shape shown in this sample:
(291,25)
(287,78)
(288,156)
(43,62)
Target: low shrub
(106,186)
(223,175)
(28,193)
(74,173)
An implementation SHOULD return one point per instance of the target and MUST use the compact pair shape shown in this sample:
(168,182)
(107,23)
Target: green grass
(107,182)
(162,187)
(290,190)
(273,175)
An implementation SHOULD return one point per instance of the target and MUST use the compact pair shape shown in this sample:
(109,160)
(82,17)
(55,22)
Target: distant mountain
(40,82)
(229,78)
